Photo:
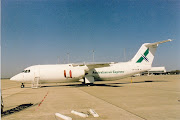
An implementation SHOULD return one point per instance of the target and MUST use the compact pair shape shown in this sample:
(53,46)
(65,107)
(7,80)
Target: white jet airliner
(89,73)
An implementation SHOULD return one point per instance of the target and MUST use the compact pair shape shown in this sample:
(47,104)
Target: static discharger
(93,113)
(79,114)
(62,116)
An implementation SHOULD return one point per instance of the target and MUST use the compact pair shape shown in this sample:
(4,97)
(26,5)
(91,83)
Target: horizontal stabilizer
(157,43)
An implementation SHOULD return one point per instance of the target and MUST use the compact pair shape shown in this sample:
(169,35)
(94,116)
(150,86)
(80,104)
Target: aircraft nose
(18,77)
(12,78)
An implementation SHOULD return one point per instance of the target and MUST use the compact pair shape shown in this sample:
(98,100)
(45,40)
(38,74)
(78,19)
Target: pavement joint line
(113,104)
(10,88)
(15,93)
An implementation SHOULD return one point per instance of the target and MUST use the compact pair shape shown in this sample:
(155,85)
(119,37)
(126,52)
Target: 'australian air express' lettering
(107,72)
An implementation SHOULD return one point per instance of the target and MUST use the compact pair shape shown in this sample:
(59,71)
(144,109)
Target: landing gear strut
(22,86)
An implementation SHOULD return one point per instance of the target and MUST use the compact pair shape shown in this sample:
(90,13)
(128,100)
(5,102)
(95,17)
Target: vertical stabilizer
(146,53)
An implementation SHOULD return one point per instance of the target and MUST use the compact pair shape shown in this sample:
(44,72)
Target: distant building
(174,72)
(155,71)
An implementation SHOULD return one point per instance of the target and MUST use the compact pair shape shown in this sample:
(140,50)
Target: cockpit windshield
(26,71)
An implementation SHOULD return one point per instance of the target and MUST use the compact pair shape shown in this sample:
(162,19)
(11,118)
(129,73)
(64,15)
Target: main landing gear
(87,84)
(90,84)
(22,86)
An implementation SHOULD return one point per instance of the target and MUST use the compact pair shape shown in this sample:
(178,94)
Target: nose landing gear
(22,86)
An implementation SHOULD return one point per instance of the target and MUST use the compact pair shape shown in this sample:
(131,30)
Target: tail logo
(143,57)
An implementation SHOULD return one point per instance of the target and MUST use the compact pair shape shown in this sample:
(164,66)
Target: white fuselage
(141,62)
(70,73)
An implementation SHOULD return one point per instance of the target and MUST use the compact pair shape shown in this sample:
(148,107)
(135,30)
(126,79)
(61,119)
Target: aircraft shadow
(82,85)
(99,85)
(16,109)
(146,81)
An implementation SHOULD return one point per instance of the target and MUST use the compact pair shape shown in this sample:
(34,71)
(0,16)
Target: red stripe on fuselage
(70,73)
(64,73)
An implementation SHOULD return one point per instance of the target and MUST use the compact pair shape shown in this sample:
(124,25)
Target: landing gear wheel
(90,84)
(22,86)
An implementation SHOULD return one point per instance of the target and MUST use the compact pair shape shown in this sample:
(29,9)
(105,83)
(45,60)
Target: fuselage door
(36,72)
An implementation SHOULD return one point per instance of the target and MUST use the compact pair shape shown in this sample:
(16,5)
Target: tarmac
(142,98)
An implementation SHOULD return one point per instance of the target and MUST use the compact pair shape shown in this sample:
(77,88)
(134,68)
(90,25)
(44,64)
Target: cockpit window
(26,71)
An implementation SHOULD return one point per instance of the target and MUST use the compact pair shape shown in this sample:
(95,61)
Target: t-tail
(145,55)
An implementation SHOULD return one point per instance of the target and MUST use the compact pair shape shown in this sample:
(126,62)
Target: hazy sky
(41,31)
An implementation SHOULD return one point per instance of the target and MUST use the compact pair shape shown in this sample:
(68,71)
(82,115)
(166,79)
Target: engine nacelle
(74,73)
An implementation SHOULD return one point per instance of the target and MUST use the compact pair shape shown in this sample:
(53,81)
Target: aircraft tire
(90,84)
(22,86)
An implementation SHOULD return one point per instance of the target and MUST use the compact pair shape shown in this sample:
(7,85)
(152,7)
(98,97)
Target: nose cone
(13,78)
(18,78)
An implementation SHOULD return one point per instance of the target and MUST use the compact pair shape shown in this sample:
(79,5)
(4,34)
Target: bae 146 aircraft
(89,73)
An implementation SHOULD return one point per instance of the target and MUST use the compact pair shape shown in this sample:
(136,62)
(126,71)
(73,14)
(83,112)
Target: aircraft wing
(98,65)
(94,65)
